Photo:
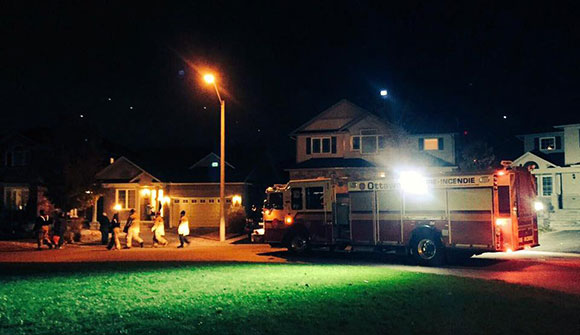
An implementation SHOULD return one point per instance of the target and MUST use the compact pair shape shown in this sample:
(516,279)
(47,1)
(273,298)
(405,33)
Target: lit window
(215,164)
(125,198)
(547,143)
(546,186)
(431,144)
(15,198)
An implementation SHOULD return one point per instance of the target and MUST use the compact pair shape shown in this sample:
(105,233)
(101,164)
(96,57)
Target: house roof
(337,117)
(556,158)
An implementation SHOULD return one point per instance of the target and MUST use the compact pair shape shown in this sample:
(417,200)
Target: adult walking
(42,230)
(59,228)
(158,230)
(183,230)
(133,229)
(115,227)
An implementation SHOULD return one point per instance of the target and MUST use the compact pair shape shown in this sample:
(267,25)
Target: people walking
(42,230)
(59,228)
(115,226)
(183,230)
(158,230)
(105,229)
(133,229)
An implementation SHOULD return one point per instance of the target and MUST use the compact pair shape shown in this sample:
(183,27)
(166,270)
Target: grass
(182,298)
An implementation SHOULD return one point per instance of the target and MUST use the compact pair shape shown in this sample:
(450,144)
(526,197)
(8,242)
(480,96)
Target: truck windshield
(275,200)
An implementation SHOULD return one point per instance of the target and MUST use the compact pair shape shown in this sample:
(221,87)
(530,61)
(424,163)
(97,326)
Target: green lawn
(271,299)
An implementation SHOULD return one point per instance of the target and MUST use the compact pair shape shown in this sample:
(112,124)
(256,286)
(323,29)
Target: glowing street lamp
(210,79)
(383,93)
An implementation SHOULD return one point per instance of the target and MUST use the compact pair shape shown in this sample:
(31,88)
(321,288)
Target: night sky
(130,70)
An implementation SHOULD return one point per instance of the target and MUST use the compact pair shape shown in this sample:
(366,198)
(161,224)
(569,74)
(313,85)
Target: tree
(477,155)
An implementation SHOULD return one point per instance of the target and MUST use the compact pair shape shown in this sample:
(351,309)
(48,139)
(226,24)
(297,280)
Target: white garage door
(201,212)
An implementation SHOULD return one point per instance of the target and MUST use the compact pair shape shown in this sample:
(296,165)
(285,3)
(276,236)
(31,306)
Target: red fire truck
(429,218)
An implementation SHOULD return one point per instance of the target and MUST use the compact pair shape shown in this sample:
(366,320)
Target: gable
(209,162)
(333,118)
(121,169)
(530,157)
(371,122)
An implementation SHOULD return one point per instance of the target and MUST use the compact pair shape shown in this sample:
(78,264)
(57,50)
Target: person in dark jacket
(42,229)
(59,229)
(105,229)
(115,227)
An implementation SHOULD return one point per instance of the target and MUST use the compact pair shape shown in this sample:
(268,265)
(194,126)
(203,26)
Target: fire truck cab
(427,217)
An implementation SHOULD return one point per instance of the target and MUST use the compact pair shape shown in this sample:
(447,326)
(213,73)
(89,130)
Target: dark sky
(448,66)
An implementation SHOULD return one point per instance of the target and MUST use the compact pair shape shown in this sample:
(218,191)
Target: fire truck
(431,218)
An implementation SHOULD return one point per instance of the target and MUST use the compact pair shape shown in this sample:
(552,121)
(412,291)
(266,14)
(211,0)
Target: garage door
(201,212)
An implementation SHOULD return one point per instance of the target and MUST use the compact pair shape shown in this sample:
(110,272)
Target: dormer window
(547,143)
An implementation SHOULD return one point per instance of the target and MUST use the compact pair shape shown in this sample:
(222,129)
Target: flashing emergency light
(500,173)
(412,182)
(500,222)
(538,206)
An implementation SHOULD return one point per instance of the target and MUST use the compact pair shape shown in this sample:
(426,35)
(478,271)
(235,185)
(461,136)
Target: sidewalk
(565,241)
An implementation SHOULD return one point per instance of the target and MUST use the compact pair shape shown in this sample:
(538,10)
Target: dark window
(558,142)
(276,200)
(421,144)
(369,144)
(185,201)
(316,145)
(315,197)
(382,142)
(440,143)
(202,201)
(211,201)
(297,198)
(194,201)
(326,145)
(176,201)
(333,144)
(308,145)
(503,199)
(356,143)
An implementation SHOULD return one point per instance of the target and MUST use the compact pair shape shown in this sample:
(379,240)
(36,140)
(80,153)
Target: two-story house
(347,141)
(554,158)
(21,188)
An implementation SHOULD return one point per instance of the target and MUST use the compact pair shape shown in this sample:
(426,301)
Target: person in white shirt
(183,230)
(158,230)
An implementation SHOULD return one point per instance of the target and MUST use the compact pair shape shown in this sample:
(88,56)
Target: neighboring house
(554,158)
(21,187)
(347,141)
(148,188)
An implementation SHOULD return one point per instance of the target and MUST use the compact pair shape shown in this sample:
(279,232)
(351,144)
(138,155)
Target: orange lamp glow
(209,78)
(501,173)
(117,207)
(288,220)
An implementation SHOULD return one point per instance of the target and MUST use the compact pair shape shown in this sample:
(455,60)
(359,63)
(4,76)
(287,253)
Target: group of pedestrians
(132,228)
(50,231)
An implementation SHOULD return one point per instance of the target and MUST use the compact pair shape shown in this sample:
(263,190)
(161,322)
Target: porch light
(237,200)
(538,206)
(145,192)
(117,207)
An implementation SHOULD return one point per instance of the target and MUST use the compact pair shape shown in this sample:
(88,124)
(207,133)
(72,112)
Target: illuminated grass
(271,299)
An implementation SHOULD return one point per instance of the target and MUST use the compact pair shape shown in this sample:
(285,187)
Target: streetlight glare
(383,93)
(209,78)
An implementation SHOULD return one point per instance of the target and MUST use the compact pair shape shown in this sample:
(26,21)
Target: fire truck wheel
(299,244)
(427,249)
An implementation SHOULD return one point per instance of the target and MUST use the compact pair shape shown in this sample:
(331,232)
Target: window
(176,201)
(382,142)
(15,198)
(355,143)
(296,198)
(185,201)
(369,144)
(503,199)
(194,201)
(211,201)
(547,186)
(320,145)
(431,144)
(315,197)
(547,143)
(215,164)
(275,200)
(18,156)
(202,201)
(126,198)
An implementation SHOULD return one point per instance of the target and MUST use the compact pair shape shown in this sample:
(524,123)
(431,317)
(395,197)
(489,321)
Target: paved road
(551,270)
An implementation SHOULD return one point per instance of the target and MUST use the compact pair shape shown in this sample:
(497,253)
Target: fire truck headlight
(538,206)
(413,182)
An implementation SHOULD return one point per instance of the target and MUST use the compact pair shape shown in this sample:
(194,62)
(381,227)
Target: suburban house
(346,141)
(21,186)
(554,158)
(149,188)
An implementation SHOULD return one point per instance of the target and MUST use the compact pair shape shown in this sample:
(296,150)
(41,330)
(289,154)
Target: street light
(210,79)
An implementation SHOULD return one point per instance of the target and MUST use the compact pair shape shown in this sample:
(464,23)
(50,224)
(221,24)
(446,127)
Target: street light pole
(210,79)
